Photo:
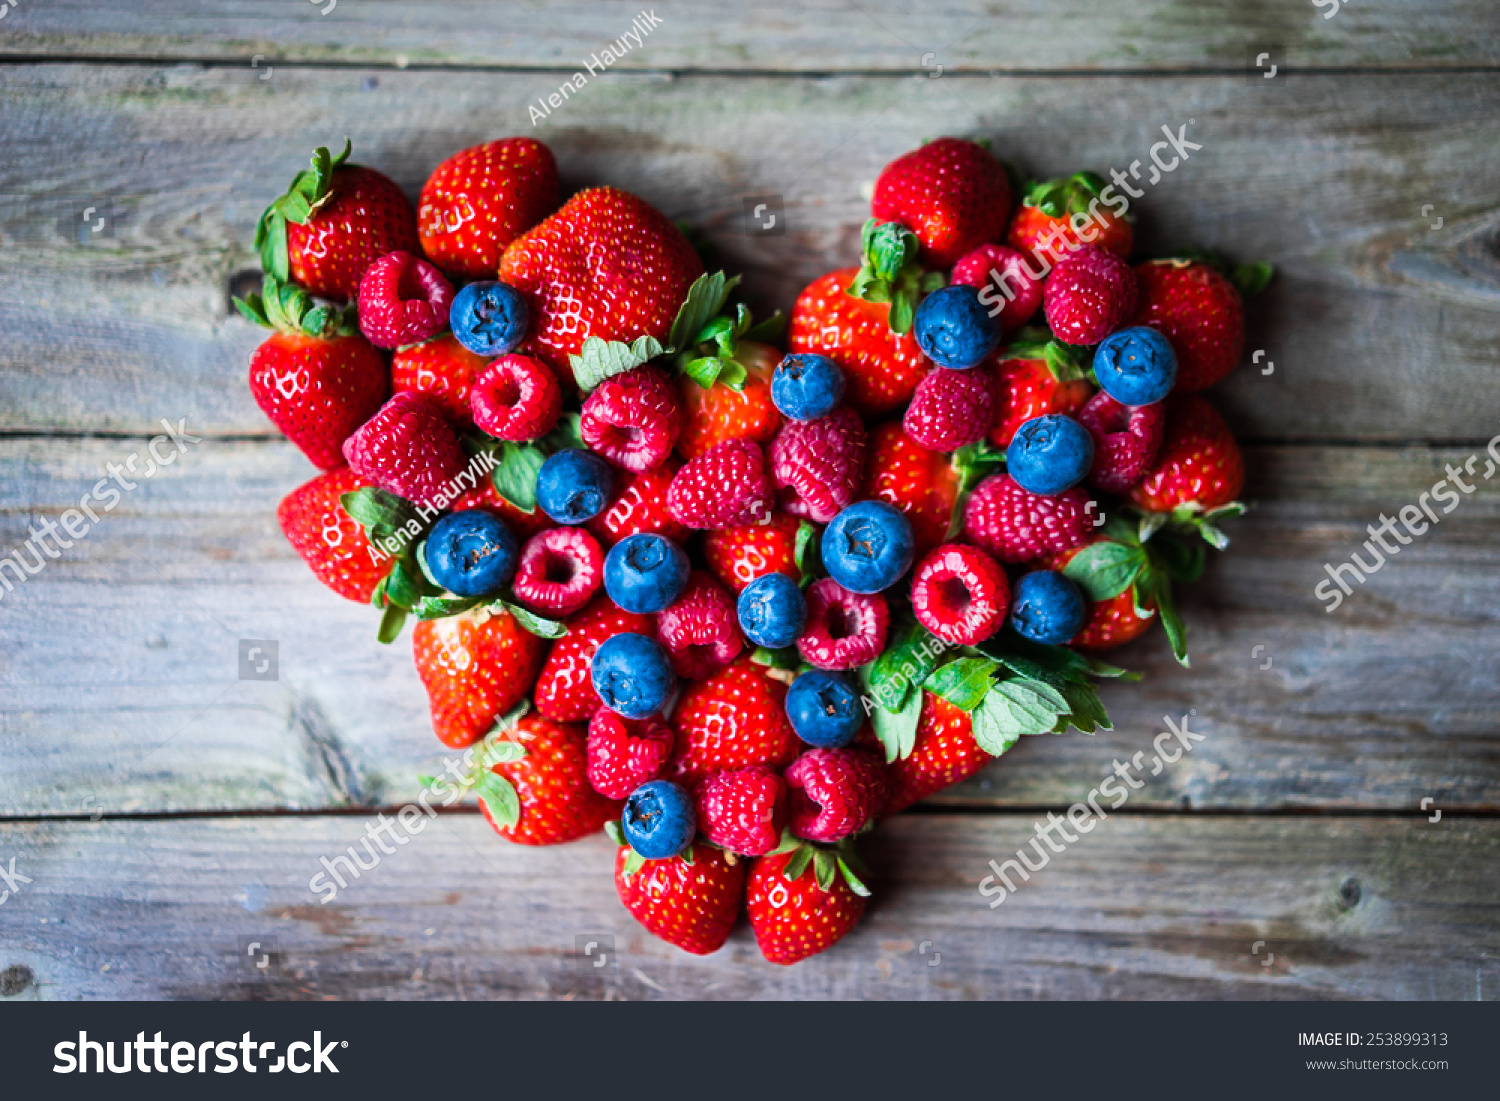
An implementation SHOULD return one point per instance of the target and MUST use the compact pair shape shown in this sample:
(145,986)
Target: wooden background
(167,812)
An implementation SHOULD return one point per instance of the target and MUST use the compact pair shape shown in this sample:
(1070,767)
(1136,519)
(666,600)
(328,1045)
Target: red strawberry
(1126,439)
(1046,225)
(832,793)
(692,905)
(563,689)
(1200,312)
(517,398)
(953,194)
(475,666)
(951,409)
(817,465)
(335,220)
(709,417)
(559,570)
(1006,280)
(796,916)
(881,367)
(329,540)
(402,300)
(481,199)
(735,718)
(945,753)
(738,555)
(607,265)
(1090,294)
(844,630)
(484,495)
(441,368)
(408,448)
(633,419)
(313,377)
(1027,389)
(549,800)
(701,630)
(640,505)
(1199,464)
(722,488)
(1111,622)
(921,483)
(743,809)
(960,594)
(626,753)
(1017,526)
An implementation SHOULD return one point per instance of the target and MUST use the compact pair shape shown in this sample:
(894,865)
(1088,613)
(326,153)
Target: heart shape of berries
(731,605)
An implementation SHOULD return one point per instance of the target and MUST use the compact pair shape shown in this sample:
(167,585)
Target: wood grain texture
(1160,907)
(1379,327)
(820,36)
(120,661)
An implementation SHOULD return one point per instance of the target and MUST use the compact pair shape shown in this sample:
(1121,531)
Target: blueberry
(1047,607)
(954,328)
(772,611)
(645,573)
(1136,366)
(824,709)
(868,547)
(574,485)
(471,553)
(633,675)
(659,820)
(1049,454)
(807,386)
(489,319)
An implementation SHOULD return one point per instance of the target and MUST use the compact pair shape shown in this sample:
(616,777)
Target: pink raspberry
(1002,269)
(1016,526)
(726,486)
(960,594)
(1126,439)
(832,793)
(1089,295)
(625,753)
(702,629)
(560,569)
(743,810)
(951,409)
(633,419)
(409,448)
(818,465)
(844,630)
(402,300)
(516,398)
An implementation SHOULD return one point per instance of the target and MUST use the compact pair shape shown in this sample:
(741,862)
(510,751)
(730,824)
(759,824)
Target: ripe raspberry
(844,630)
(402,300)
(625,753)
(978,268)
(960,594)
(743,810)
(633,419)
(951,409)
(560,569)
(640,507)
(737,556)
(517,398)
(832,793)
(1126,439)
(408,448)
(817,465)
(1089,295)
(1016,526)
(701,631)
(726,486)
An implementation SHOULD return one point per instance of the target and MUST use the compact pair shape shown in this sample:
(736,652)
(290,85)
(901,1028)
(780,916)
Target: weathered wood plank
(1378,327)
(121,693)
(1159,907)
(780,36)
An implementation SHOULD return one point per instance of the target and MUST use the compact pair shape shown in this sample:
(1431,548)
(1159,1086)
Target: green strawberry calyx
(634,861)
(1065,195)
(1192,518)
(309,190)
(1249,279)
(889,272)
(495,791)
(287,308)
(826,861)
(971,465)
(1067,362)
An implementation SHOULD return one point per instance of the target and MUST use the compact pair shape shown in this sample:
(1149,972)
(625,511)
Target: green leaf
(798,863)
(903,313)
(602,359)
(995,728)
(807,539)
(613,831)
(1171,622)
(767,331)
(515,477)
(705,370)
(401,587)
(789,843)
(537,625)
(391,623)
(1014,708)
(634,862)
(964,682)
(853,881)
(252,308)
(568,434)
(1251,279)
(1151,523)
(825,867)
(705,298)
(734,376)
(1086,712)
(1179,559)
(499,797)
(785,658)
(440,607)
(1105,569)
(910,655)
(511,717)
(1067,362)
(897,730)
(686,855)
(1100,668)
(378,512)
(503,753)
(1006,646)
